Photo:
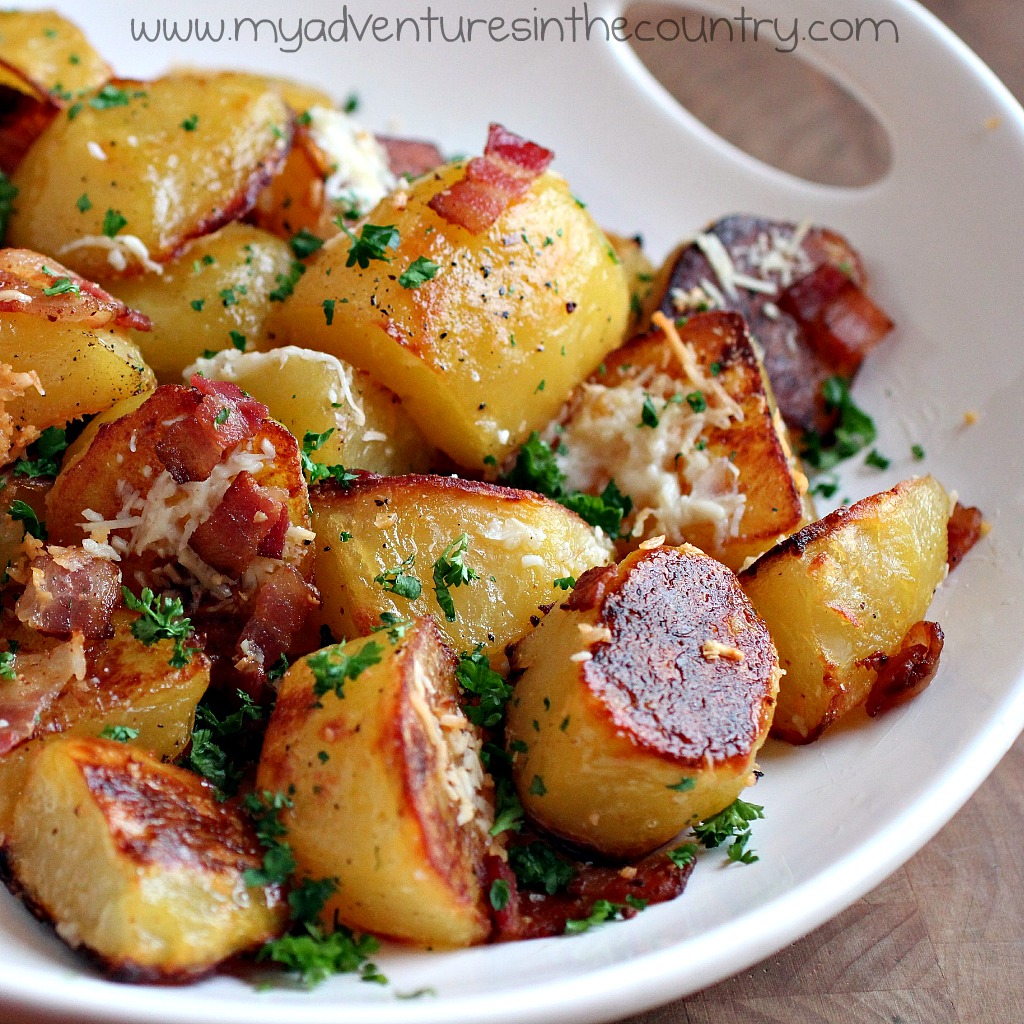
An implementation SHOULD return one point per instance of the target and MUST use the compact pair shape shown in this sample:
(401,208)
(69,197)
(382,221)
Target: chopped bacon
(283,605)
(39,680)
(909,671)
(840,322)
(965,528)
(26,277)
(533,915)
(192,446)
(410,157)
(70,590)
(493,182)
(239,526)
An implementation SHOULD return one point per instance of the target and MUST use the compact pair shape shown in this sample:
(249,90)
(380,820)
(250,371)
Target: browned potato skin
(842,592)
(622,750)
(238,261)
(365,774)
(391,518)
(154,890)
(214,171)
(128,684)
(445,348)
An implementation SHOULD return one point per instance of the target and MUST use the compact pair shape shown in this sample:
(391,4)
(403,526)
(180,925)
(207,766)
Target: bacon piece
(410,157)
(239,526)
(493,182)
(26,276)
(39,680)
(283,605)
(909,671)
(965,528)
(70,590)
(840,322)
(226,415)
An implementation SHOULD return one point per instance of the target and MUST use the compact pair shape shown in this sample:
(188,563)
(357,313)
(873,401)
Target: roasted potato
(136,861)
(682,418)
(517,543)
(215,295)
(312,392)
(840,595)
(122,186)
(128,684)
(387,789)
(641,703)
(488,349)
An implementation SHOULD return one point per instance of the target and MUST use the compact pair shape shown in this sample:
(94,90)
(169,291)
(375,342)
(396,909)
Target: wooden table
(942,940)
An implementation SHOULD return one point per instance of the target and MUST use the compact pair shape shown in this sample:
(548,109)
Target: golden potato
(840,595)
(313,392)
(488,349)
(129,684)
(125,183)
(215,295)
(683,420)
(641,703)
(517,543)
(137,861)
(388,794)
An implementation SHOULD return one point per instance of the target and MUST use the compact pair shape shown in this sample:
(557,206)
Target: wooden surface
(942,940)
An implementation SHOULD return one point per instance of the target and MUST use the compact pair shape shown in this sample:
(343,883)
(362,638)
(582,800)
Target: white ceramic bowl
(942,237)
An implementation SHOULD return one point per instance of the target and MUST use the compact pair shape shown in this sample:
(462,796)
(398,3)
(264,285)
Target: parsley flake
(418,272)
(328,305)
(537,866)
(304,243)
(332,668)
(215,740)
(191,123)
(161,618)
(479,680)
(373,242)
(401,580)
(44,455)
(732,823)
(119,733)
(23,513)
(113,222)
(286,282)
(84,203)
(316,471)
(856,429)
(237,340)
(7,657)
(450,570)
(648,414)
(500,894)
(564,582)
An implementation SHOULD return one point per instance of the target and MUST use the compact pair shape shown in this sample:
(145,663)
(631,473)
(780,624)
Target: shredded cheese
(120,251)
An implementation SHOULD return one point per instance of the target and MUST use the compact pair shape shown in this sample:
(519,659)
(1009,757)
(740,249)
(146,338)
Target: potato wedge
(128,684)
(519,543)
(683,420)
(488,349)
(137,861)
(151,177)
(388,794)
(641,703)
(842,593)
(215,295)
(313,392)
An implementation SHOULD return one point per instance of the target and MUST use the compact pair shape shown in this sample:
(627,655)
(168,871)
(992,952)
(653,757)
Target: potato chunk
(154,177)
(518,544)
(387,789)
(313,392)
(215,295)
(488,349)
(641,702)
(842,593)
(136,861)
(683,419)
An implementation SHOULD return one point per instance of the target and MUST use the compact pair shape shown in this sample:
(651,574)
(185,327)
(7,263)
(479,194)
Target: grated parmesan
(120,250)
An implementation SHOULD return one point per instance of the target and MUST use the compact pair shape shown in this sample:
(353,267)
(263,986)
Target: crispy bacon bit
(283,604)
(909,670)
(26,277)
(39,681)
(841,323)
(493,182)
(239,526)
(226,415)
(966,527)
(410,157)
(70,591)
(532,915)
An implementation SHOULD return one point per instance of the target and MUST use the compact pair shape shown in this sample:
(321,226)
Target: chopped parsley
(315,955)
(606,510)
(854,432)
(372,244)
(696,401)
(683,855)
(23,513)
(113,222)
(222,417)
(351,104)
(877,460)
(918,452)
(228,297)
(601,912)
(394,625)
(537,787)
(684,785)
(450,570)
(564,582)
(44,455)
(7,661)
(315,471)
(537,866)
(286,282)
(237,340)
(304,243)
(111,96)
(732,823)
(332,668)
(197,304)
(212,738)
(191,123)
(119,733)
(500,894)
(8,193)
(63,286)
(401,580)
(418,272)
(508,810)
(161,618)
(328,305)
(478,679)
(648,414)
(84,203)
